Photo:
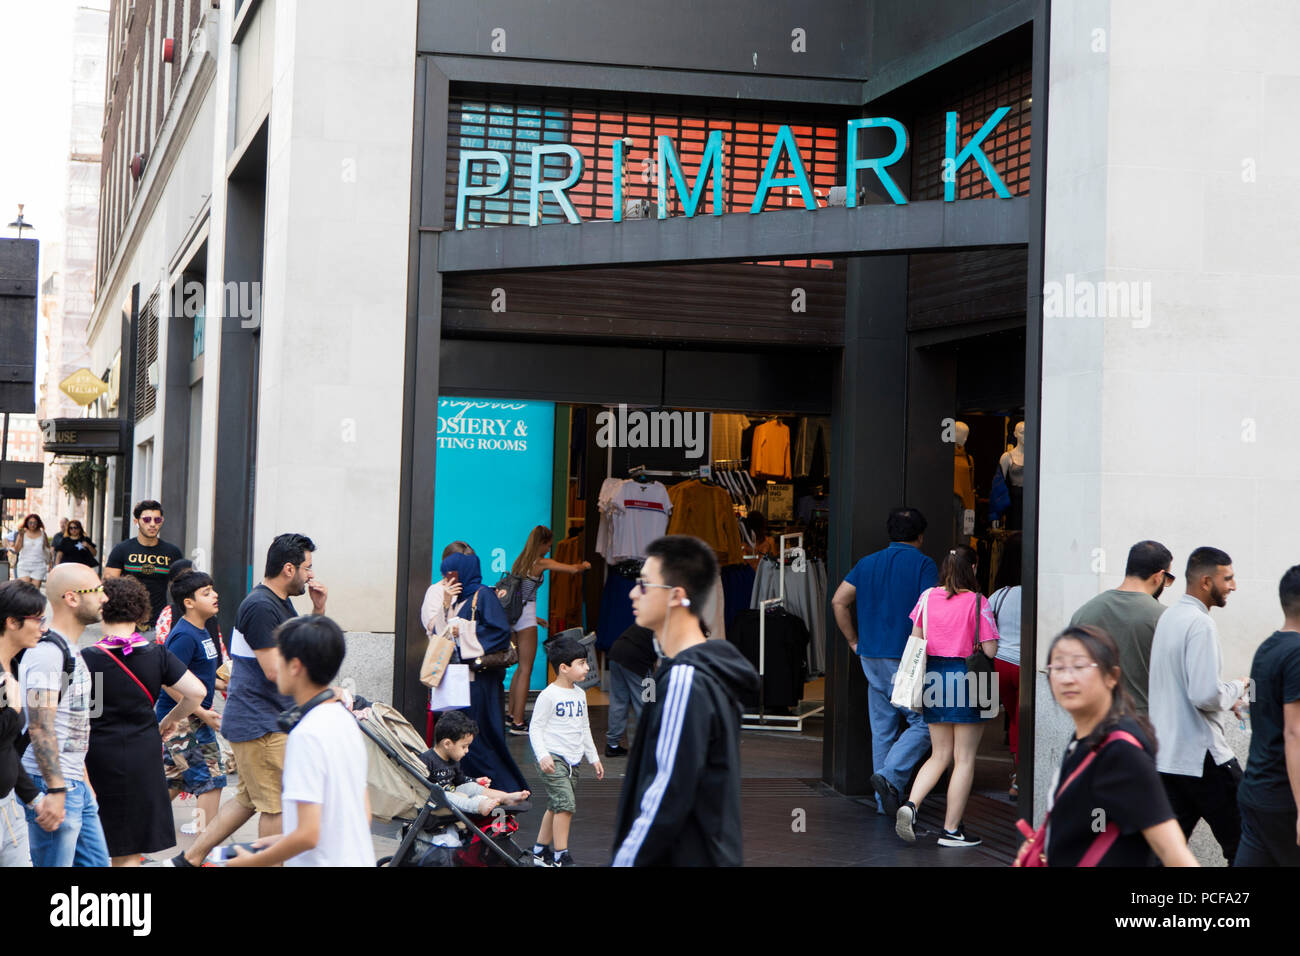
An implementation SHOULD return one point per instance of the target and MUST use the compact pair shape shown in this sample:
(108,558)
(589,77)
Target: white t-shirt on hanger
(605,504)
(645,510)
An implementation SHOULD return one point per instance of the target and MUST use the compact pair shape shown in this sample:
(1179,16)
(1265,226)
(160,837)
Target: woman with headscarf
(488,756)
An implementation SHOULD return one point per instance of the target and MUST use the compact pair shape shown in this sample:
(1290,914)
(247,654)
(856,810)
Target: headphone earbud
(686,602)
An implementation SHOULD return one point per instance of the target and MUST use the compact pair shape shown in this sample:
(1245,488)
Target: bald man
(63,821)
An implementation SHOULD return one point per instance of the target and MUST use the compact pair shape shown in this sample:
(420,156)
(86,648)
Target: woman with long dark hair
(1108,806)
(33,551)
(946,617)
(1005,601)
(530,568)
(76,547)
(488,755)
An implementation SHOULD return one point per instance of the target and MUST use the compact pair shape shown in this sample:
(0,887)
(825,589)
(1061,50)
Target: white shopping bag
(453,691)
(909,681)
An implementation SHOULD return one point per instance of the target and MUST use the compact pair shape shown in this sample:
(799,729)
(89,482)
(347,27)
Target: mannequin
(1012,464)
(1013,460)
(963,484)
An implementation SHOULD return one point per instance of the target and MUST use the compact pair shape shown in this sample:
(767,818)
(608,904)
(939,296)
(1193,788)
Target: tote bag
(909,681)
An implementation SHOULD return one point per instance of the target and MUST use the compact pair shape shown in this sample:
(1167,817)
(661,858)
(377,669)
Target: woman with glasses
(1107,805)
(22,618)
(125,756)
(35,555)
(946,616)
(76,547)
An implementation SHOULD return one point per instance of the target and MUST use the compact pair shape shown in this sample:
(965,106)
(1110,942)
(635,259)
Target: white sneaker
(904,822)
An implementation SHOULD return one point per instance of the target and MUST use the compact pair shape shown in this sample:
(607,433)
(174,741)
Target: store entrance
(746,473)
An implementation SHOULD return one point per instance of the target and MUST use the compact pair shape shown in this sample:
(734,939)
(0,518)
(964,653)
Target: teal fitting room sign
(493,486)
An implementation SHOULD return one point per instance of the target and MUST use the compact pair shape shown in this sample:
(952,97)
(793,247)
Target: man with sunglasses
(1129,614)
(63,826)
(146,557)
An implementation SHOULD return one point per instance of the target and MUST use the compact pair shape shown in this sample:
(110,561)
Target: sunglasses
(151,520)
(1169,579)
(643,585)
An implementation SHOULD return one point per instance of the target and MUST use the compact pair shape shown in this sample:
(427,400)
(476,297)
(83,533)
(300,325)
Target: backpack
(510,591)
(69,665)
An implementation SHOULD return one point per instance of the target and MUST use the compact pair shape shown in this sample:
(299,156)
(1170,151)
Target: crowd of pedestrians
(1141,680)
(99,735)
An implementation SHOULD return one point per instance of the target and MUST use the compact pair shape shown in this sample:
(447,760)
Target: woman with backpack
(527,574)
(957,623)
(1108,806)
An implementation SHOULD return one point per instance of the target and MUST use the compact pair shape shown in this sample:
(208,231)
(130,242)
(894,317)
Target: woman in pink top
(945,616)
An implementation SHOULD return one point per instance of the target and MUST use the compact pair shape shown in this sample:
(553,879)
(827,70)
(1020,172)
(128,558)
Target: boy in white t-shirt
(561,736)
(326,806)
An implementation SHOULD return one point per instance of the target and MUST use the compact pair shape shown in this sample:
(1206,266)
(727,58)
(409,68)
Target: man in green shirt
(1129,614)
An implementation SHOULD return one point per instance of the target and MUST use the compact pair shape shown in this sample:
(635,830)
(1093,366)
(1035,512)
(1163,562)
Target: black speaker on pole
(18,259)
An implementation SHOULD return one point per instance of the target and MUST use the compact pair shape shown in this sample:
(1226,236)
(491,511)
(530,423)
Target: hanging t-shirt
(608,508)
(644,511)
(770,456)
(727,431)
(325,763)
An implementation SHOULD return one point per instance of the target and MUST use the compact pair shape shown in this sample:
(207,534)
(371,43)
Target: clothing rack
(704,471)
(762,720)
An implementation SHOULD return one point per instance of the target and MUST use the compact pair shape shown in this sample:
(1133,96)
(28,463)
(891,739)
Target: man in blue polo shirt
(885,586)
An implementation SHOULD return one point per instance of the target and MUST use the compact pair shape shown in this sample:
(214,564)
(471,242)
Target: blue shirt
(253,703)
(196,651)
(888,583)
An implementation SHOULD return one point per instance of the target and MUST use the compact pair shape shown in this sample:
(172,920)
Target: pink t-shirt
(950,622)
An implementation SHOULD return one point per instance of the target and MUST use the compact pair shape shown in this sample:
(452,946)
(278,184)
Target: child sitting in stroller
(452,736)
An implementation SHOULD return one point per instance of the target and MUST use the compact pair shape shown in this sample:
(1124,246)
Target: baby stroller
(437,833)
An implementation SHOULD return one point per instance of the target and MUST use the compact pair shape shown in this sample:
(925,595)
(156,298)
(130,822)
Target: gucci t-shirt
(149,566)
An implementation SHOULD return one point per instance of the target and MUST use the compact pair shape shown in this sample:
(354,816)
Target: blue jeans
(79,840)
(893,754)
(624,689)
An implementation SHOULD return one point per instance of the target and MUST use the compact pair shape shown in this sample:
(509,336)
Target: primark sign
(669,167)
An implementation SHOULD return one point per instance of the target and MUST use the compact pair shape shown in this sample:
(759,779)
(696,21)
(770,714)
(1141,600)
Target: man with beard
(1189,704)
(1129,614)
(250,720)
(63,819)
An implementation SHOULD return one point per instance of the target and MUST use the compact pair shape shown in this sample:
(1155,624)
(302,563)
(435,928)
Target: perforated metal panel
(146,356)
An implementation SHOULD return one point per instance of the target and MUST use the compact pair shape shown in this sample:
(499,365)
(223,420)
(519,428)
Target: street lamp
(20,224)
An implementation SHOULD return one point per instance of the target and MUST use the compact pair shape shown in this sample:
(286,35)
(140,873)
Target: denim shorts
(949,695)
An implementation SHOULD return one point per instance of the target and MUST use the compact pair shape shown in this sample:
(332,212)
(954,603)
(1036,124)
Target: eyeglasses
(98,590)
(1060,670)
(39,618)
(643,585)
(151,520)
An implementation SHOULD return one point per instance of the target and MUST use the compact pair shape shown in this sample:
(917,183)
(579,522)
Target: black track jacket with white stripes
(680,804)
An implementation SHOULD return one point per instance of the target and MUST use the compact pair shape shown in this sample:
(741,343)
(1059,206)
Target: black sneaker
(889,796)
(958,837)
(519,730)
(179,860)
(615,750)
(547,858)
(905,820)
(565,860)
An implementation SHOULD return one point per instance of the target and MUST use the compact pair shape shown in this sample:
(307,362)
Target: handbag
(1034,852)
(981,664)
(471,648)
(909,679)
